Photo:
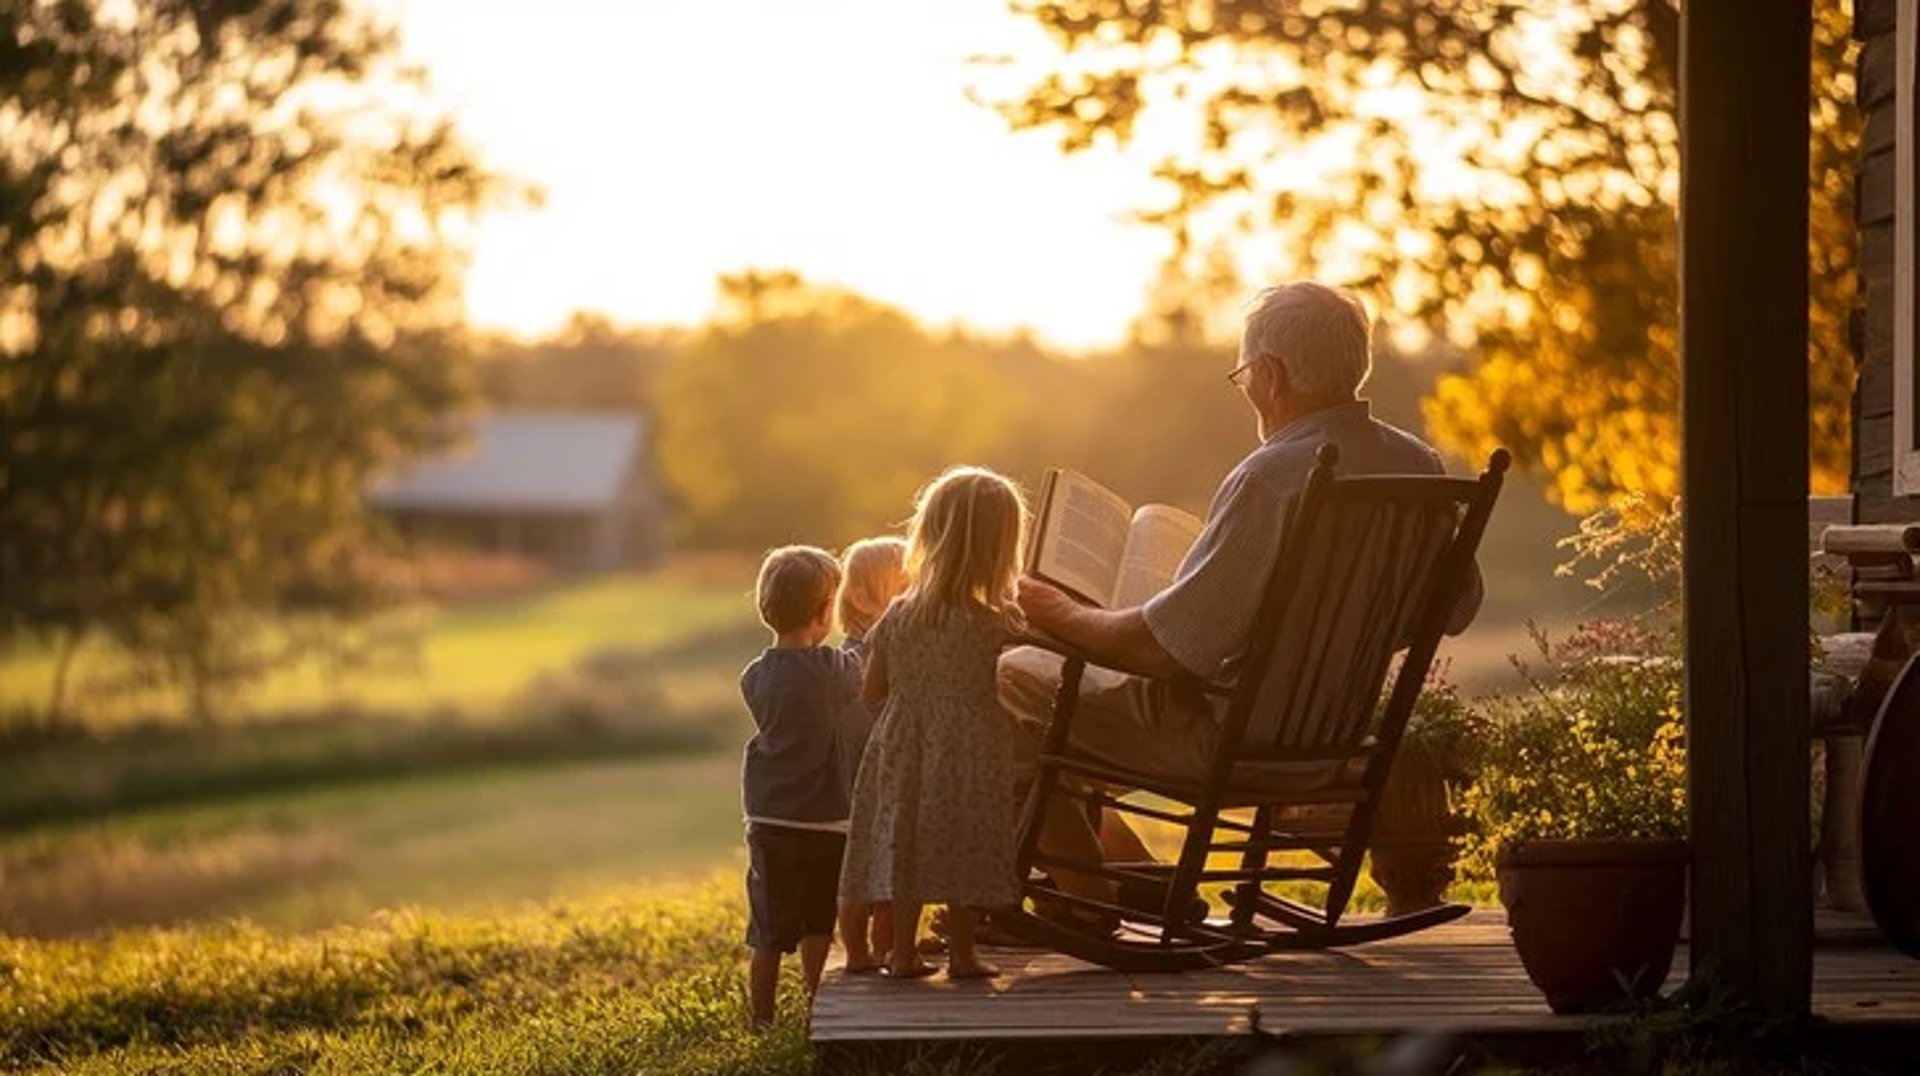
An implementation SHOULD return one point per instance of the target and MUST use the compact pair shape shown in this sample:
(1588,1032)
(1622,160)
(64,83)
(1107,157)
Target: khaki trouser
(1141,725)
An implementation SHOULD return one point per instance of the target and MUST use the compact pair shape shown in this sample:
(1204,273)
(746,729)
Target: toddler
(873,572)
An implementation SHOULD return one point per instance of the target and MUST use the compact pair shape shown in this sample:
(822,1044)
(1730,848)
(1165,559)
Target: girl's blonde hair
(873,572)
(964,546)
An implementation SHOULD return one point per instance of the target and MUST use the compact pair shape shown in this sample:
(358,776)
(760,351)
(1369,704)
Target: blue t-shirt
(804,703)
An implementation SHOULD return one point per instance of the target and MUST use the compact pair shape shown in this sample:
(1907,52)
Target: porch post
(1743,246)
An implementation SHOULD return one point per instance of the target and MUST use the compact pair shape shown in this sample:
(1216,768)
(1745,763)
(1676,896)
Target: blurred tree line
(808,413)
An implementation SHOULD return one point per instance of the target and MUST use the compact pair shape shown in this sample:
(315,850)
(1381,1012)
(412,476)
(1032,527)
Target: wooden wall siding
(1873,343)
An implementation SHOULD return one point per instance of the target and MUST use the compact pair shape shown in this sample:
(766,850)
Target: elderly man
(1304,354)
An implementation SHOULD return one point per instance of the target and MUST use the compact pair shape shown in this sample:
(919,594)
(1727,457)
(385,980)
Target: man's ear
(1275,375)
(1277,370)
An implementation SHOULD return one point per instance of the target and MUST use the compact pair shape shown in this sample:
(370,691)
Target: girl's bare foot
(972,969)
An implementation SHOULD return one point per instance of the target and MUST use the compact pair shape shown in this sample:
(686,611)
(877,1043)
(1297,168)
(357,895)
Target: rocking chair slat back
(1368,568)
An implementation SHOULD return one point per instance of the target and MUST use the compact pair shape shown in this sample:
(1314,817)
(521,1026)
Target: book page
(1082,535)
(1156,544)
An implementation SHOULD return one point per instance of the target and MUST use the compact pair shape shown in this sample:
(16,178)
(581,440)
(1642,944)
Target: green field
(617,667)
(474,659)
(462,840)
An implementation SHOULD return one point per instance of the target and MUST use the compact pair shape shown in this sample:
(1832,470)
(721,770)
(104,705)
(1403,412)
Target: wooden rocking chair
(1368,565)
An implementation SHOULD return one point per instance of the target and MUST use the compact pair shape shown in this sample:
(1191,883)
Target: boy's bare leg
(813,958)
(853,935)
(763,979)
(963,961)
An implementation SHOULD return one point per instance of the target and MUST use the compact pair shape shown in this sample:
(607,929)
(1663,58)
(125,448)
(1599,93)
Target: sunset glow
(834,138)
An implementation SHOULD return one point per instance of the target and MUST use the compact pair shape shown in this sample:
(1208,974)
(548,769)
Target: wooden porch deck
(1462,979)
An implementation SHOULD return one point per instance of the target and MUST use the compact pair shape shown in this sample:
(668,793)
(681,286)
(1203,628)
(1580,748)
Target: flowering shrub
(1448,730)
(1594,748)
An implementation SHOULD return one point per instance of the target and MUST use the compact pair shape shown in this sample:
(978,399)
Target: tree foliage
(809,413)
(227,267)
(591,364)
(1504,172)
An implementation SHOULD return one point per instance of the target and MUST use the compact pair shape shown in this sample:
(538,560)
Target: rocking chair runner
(1368,565)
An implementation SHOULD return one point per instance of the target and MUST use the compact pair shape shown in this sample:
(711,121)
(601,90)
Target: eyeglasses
(1234,375)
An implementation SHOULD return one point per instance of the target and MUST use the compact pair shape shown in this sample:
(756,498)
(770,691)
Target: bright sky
(679,140)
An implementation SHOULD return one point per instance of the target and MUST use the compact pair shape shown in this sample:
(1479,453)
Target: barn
(572,490)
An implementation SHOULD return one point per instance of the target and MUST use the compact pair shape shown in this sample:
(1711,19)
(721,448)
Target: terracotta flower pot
(1594,921)
(1411,855)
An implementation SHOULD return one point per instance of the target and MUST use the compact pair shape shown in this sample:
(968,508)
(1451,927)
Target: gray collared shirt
(1204,617)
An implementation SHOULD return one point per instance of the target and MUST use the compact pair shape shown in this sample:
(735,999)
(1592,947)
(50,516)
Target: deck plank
(1461,978)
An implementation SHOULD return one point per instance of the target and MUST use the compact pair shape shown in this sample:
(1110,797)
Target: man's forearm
(1118,638)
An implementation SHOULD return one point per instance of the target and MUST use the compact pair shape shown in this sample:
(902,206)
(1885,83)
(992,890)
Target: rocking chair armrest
(1067,650)
(1049,643)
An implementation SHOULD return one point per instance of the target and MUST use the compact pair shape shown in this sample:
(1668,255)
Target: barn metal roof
(522,461)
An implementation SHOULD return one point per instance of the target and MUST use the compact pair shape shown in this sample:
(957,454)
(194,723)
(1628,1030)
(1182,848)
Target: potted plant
(1419,825)
(1580,807)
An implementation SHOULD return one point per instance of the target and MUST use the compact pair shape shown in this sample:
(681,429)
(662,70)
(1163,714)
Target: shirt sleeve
(1203,619)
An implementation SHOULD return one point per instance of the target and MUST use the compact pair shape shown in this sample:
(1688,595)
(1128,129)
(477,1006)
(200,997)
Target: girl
(873,572)
(933,812)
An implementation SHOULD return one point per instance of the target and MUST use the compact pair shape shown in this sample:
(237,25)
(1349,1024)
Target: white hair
(1321,336)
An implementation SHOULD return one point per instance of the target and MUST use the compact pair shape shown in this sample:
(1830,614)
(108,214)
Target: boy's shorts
(793,878)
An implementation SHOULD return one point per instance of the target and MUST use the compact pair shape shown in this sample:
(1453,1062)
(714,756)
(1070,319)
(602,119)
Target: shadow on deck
(1462,981)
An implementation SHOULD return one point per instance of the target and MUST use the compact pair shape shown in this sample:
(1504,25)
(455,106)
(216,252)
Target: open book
(1094,545)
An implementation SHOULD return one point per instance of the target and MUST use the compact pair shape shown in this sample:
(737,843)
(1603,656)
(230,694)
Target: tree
(808,413)
(591,364)
(226,281)
(1503,172)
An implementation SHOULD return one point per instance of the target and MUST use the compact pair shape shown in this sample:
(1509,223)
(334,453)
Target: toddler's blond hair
(873,571)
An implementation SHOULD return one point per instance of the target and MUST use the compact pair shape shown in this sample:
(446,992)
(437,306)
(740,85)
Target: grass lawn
(471,658)
(462,840)
(621,666)
(647,981)
(639,980)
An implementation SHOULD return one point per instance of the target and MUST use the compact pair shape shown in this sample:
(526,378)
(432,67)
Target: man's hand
(1117,638)
(1048,608)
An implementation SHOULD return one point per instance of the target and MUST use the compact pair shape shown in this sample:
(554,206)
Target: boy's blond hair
(796,585)
(873,571)
(964,546)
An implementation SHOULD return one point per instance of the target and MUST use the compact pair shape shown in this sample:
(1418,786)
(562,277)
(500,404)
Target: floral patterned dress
(933,809)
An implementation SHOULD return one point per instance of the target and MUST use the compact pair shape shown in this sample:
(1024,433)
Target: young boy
(801,695)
